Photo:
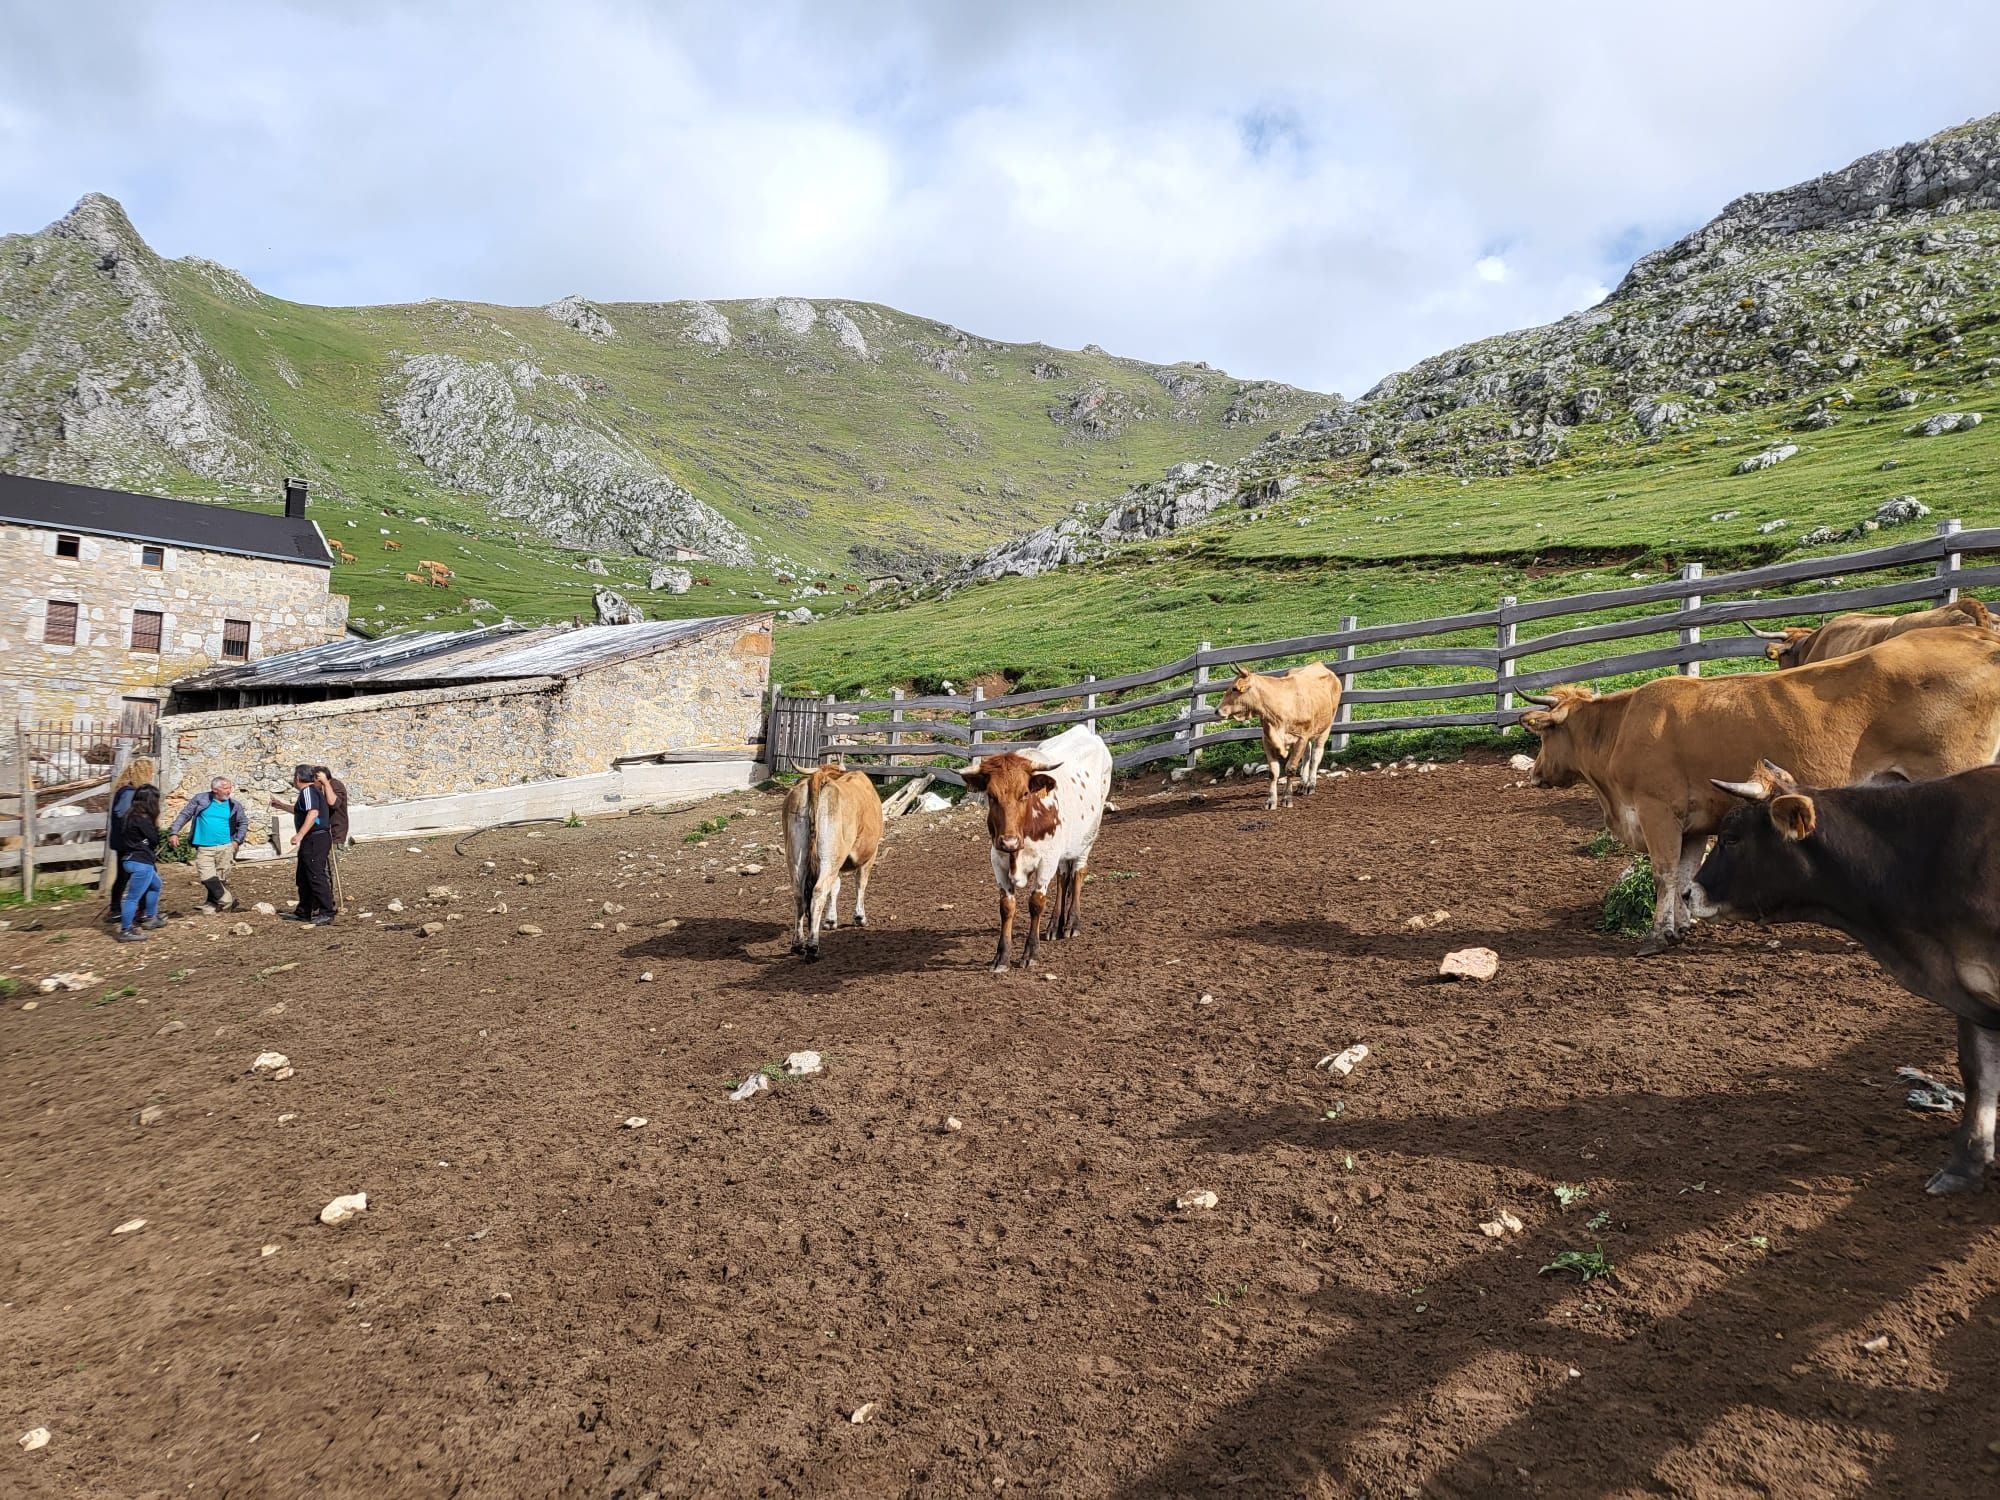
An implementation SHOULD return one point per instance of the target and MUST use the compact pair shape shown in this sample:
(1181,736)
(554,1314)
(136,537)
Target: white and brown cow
(1042,813)
(1296,710)
(833,822)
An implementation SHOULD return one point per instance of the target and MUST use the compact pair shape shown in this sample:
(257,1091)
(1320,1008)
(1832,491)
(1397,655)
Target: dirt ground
(540,1301)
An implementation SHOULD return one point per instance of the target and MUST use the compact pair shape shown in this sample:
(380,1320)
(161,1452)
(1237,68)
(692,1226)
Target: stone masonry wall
(707,693)
(288,605)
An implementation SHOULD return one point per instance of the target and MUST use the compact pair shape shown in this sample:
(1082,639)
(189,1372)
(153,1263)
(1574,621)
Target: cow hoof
(812,955)
(1655,944)
(859,920)
(1948,1181)
(798,947)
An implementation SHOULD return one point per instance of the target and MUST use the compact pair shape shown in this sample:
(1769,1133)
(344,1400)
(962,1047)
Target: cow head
(1761,861)
(1557,763)
(1786,647)
(1020,799)
(1244,698)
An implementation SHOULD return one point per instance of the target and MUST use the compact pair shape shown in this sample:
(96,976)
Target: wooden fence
(1164,713)
(54,834)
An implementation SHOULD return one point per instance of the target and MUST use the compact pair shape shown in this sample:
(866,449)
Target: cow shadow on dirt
(1766,1338)
(846,952)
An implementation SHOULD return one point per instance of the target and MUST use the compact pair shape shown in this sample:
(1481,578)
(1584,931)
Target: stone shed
(426,717)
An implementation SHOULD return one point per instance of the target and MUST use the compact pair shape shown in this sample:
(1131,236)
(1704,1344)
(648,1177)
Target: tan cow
(1912,708)
(1296,710)
(833,823)
(1798,646)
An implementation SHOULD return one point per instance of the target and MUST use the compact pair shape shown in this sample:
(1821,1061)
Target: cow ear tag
(1794,815)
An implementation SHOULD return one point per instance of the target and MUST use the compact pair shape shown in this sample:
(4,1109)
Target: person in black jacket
(138,838)
(138,772)
(312,832)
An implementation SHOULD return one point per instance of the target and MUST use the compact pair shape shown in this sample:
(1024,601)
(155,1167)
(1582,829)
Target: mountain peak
(100,222)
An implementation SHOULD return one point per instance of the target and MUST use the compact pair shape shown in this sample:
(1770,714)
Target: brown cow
(1912,708)
(392,546)
(1296,710)
(833,822)
(1843,635)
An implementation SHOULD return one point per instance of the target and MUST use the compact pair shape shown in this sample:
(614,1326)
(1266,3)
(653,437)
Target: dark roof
(148,518)
(497,653)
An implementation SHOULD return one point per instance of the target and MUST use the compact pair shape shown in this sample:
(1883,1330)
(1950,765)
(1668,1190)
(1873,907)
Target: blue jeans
(144,886)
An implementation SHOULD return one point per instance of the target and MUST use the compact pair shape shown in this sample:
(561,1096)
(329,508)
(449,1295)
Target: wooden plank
(1428,656)
(52,857)
(1639,661)
(29,833)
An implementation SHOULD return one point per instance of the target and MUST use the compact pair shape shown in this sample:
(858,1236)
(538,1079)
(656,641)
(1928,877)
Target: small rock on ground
(1202,1198)
(529,929)
(130,1226)
(152,1114)
(752,1086)
(801,1063)
(1521,763)
(865,1412)
(270,1062)
(265,909)
(431,929)
(635,1122)
(1346,1061)
(1479,964)
(343,1208)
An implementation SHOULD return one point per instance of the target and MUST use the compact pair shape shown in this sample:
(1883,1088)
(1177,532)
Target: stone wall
(288,605)
(704,693)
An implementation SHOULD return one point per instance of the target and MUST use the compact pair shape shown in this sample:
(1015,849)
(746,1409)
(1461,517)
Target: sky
(1317,193)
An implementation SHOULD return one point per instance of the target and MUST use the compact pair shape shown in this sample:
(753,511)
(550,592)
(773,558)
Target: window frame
(75,618)
(227,654)
(158,645)
(71,540)
(159,551)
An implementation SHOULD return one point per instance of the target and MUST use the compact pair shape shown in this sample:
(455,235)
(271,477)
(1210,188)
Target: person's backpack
(336,819)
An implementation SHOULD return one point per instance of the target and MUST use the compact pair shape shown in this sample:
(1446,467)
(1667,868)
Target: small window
(153,557)
(146,625)
(60,627)
(235,640)
(69,546)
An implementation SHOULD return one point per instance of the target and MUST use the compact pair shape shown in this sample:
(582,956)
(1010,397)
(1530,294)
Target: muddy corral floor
(541,1301)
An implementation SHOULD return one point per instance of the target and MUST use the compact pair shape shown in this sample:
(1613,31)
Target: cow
(413,578)
(392,546)
(1913,708)
(1043,809)
(1296,710)
(1797,646)
(1910,872)
(833,823)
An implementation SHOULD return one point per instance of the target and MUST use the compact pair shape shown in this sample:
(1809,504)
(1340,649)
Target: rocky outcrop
(673,580)
(706,325)
(847,333)
(1097,410)
(550,466)
(614,608)
(573,312)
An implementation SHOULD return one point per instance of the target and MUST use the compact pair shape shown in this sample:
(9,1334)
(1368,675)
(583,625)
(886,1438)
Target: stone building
(443,714)
(106,597)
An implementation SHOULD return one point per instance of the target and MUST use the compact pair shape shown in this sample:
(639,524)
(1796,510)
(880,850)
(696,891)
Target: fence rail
(1169,717)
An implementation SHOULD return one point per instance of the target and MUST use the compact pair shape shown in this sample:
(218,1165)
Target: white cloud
(1288,190)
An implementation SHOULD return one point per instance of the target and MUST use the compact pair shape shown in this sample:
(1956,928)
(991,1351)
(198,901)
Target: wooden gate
(796,740)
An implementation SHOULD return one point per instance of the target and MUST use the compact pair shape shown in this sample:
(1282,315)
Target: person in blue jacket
(138,838)
(221,824)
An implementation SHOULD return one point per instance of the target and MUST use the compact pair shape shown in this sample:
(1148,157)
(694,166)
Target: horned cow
(1915,707)
(1297,712)
(1798,645)
(1910,872)
(1043,810)
(833,823)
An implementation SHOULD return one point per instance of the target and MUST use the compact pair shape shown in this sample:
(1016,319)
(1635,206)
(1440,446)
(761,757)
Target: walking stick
(333,863)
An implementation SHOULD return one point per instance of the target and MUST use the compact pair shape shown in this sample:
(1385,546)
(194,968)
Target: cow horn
(1765,635)
(1753,791)
(1544,699)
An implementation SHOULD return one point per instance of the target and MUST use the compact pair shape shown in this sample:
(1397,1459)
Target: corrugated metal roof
(55,506)
(496,654)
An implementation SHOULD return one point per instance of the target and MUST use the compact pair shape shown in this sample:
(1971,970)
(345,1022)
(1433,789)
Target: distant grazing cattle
(833,823)
(1843,635)
(1296,711)
(1043,809)
(1910,872)
(392,546)
(1913,708)
(413,578)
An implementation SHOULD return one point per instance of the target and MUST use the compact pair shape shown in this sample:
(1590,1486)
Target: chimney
(295,499)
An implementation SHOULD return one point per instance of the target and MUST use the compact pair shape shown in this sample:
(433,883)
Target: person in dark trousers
(312,831)
(335,791)
(138,772)
(138,838)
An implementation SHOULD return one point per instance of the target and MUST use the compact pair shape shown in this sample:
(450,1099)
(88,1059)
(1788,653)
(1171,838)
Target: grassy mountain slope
(789,441)
(1834,317)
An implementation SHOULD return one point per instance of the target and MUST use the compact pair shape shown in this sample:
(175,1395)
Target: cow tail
(800,842)
(818,789)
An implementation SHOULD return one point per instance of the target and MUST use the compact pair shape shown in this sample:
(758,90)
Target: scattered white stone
(647,977)
(752,1086)
(1504,1223)
(395,904)
(265,909)
(67,982)
(801,1063)
(268,1251)
(611,908)
(33,1438)
(287,1119)
(529,929)
(1206,1000)
(270,1062)
(242,929)
(130,1226)
(1427,920)
(751,870)
(953,1123)
(635,1122)
(440,893)
(170,1028)
(1946,421)
(414,849)
(152,1114)
(1345,1062)
(1470,963)
(1521,763)
(431,929)
(1202,1198)
(283,1073)
(1768,458)
(865,1412)
(931,802)
(343,1208)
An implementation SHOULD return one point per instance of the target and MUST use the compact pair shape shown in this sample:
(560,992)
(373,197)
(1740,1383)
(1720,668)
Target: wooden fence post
(107,872)
(895,735)
(1197,704)
(1947,568)
(773,745)
(1503,701)
(28,831)
(972,719)
(1690,634)
(1345,712)
(826,732)
(1090,702)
